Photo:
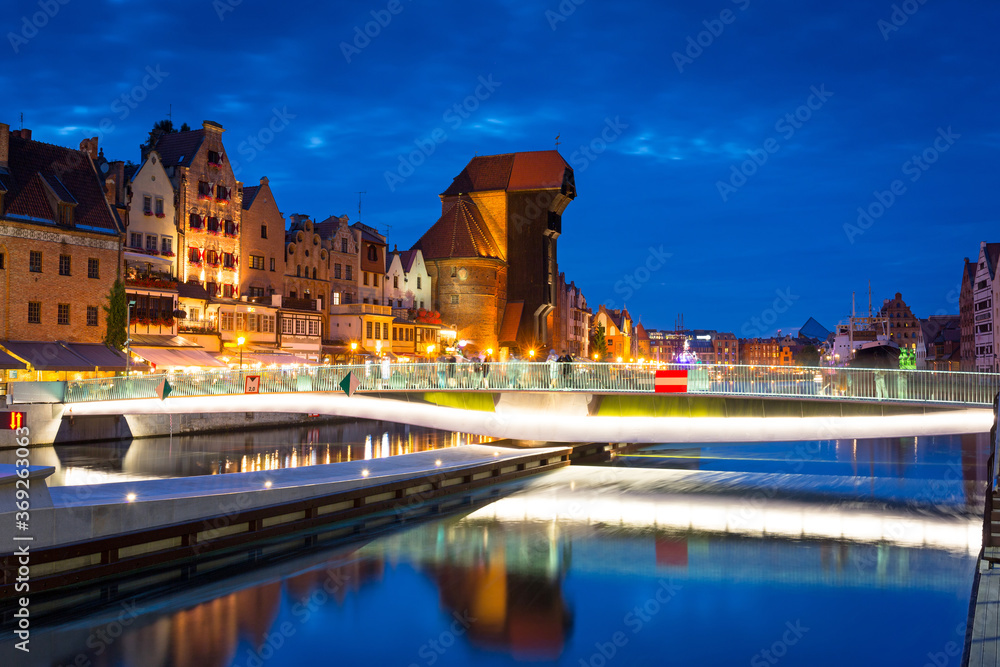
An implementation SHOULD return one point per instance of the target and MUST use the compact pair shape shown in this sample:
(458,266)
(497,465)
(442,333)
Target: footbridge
(570,402)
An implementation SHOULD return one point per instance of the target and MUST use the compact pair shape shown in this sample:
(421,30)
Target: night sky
(655,125)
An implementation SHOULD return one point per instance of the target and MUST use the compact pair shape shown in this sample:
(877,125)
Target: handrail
(825,383)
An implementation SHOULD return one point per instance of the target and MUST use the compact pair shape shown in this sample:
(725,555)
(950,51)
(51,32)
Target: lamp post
(239,342)
(128,336)
(354,352)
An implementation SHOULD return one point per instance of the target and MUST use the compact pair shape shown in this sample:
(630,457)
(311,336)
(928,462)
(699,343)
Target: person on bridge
(566,361)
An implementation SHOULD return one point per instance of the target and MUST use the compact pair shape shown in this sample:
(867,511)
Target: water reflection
(213,454)
(552,571)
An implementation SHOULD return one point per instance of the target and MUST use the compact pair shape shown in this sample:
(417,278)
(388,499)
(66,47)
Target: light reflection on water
(496,586)
(214,454)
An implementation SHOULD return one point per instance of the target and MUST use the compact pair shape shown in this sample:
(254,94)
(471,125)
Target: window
(35,261)
(93,267)
(64,265)
(34,312)
(314,273)
(313,327)
(418,282)
(267,323)
(365,277)
(336,271)
(159,207)
(347,272)
(222,193)
(300,327)
(91,316)
(454,299)
(343,244)
(298,270)
(292,294)
(195,221)
(257,262)
(204,189)
(214,158)
(230,228)
(385,330)
(212,258)
(226,321)
(166,244)
(335,298)
(66,214)
(241,322)
(212,289)
(372,253)
(272,263)
(399,303)
(374,280)
(2,266)
(194,255)
(135,240)
(147,205)
(286,326)
(395,282)
(228,291)
(228,260)
(151,242)
(454,272)
(63,313)
(213,225)
(263,231)
(256,291)
(368,330)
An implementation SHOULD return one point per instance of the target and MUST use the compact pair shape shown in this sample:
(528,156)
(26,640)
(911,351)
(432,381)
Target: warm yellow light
(267,484)
(364,472)
(354,346)
(240,340)
(130,497)
(596,357)
(430,349)
(496,453)
(438,463)
(619,360)
(489,350)
(531,353)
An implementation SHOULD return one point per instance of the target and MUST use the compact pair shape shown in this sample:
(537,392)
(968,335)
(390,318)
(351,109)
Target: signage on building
(670,381)
(15,420)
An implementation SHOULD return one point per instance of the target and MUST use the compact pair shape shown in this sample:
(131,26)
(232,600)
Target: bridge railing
(944,387)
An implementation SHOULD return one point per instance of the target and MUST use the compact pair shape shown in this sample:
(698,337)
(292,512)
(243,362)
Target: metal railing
(898,386)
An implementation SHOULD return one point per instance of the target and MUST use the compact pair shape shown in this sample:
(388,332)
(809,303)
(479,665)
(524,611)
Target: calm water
(857,553)
(271,449)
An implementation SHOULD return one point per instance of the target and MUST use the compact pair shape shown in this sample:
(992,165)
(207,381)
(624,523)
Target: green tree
(599,341)
(116,317)
(165,126)
(807,356)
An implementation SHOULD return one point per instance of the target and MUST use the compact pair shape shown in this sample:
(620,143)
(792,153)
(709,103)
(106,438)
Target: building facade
(983,307)
(344,259)
(262,243)
(408,284)
(571,330)
(967,319)
(371,247)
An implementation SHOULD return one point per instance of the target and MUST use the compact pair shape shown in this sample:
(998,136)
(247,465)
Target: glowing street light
(240,340)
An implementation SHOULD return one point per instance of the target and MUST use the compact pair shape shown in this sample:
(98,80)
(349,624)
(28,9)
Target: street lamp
(354,350)
(240,340)
(128,336)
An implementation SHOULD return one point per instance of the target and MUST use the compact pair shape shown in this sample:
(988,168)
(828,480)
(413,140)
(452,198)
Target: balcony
(297,304)
(360,309)
(149,279)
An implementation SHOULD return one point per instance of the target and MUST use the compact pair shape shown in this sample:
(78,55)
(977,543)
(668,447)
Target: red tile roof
(71,175)
(532,170)
(179,148)
(460,232)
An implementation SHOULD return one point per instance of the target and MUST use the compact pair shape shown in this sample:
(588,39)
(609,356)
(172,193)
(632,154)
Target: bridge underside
(564,417)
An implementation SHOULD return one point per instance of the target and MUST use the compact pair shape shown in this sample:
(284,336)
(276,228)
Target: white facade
(983,311)
(152,227)
(408,289)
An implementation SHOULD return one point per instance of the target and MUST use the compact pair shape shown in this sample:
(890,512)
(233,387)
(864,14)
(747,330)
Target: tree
(807,356)
(116,317)
(599,342)
(165,126)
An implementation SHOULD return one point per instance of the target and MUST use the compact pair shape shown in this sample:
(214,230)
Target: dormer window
(65,214)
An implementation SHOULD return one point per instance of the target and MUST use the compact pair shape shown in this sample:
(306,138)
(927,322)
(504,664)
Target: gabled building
(371,246)
(262,243)
(492,254)
(983,307)
(967,318)
(60,244)
(209,208)
(571,330)
(407,283)
(617,326)
(344,259)
(904,327)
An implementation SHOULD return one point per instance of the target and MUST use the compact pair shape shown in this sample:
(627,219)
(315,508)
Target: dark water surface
(844,553)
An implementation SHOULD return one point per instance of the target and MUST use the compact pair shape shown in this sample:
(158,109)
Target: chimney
(26,133)
(4,145)
(263,180)
(211,127)
(90,146)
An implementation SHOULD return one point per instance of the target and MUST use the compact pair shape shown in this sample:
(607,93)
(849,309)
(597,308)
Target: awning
(48,356)
(100,356)
(511,323)
(139,257)
(177,356)
(8,362)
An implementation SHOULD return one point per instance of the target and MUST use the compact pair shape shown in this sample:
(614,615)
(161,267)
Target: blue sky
(658,106)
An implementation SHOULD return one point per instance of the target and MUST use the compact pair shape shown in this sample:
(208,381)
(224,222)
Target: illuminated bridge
(572,402)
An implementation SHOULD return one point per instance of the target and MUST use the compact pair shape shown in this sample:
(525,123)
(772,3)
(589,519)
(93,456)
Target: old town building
(371,246)
(617,326)
(967,318)
(305,305)
(344,259)
(408,285)
(262,243)
(492,254)
(904,327)
(983,307)
(571,319)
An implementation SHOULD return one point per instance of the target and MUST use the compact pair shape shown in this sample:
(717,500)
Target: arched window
(314,273)
(298,270)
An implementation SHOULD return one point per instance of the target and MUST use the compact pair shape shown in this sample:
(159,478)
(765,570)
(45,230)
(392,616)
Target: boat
(863,341)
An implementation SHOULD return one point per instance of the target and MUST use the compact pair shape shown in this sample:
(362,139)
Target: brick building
(262,243)
(492,254)
(372,264)
(904,327)
(60,242)
(571,319)
(967,340)
(344,259)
